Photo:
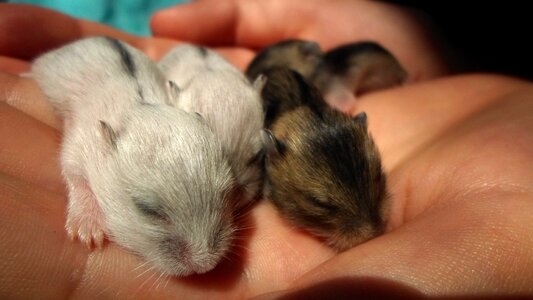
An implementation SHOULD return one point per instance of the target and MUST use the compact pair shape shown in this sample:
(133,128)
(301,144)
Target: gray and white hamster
(323,169)
(147,174)
(211,86)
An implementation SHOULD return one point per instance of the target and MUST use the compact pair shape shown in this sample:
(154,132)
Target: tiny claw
(98,240)
(70,234)
(90,234)
(88,244)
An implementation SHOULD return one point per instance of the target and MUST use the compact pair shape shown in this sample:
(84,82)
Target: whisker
(147,268)
(145,281)
(159,279)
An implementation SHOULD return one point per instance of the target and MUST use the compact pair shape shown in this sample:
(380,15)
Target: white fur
(163,156)
(182,63)
(218,91)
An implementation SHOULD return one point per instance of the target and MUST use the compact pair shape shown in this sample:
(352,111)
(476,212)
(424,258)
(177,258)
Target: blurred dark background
(488,36)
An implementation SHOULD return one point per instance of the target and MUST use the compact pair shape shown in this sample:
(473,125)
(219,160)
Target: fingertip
(239,57)
(159,20)
(25,95)
(155,48)
(13,65)
(201,22)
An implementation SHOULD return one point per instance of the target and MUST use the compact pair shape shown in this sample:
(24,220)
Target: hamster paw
(87,228)
(85,219)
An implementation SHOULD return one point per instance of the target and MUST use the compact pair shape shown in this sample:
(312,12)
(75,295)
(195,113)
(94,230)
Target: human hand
(460,195)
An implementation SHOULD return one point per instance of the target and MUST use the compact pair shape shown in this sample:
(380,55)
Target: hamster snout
(150,176)
(323,170)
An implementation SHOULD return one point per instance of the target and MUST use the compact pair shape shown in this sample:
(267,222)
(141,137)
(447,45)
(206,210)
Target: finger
(202,22)
(13,65)
(244,23)
(27,31)
(24,95)
(22,38)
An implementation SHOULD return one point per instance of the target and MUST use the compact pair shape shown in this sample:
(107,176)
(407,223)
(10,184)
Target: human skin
(457,150)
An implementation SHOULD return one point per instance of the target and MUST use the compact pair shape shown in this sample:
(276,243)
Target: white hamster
(214,88)
(151,176)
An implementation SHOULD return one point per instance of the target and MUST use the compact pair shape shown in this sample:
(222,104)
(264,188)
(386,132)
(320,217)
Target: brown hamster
(323,170)
(298,55)
(340,74)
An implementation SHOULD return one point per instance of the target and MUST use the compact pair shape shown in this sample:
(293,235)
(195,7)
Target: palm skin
(457,150)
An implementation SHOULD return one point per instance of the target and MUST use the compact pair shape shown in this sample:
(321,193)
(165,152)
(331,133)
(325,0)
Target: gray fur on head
(212,87)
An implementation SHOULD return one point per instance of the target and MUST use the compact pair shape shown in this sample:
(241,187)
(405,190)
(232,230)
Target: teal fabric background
(132,16)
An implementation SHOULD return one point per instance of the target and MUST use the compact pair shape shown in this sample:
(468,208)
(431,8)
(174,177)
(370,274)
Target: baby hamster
(355,69)
(323,169)
(298,55)
(340,74)
(220,93)
(149,175)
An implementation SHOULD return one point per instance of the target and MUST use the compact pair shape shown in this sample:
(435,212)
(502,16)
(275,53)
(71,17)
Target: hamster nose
(179,249)
(194,260)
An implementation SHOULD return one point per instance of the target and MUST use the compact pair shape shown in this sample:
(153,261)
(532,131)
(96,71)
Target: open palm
(457,150)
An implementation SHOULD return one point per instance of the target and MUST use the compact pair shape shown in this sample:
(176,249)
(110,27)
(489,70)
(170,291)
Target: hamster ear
(202,119)
(259,83)
(110,136)
(309,48)
(173,92)
(361,119)
(272,145)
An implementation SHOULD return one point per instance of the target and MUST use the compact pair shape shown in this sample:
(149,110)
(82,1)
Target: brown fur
(360,67)
(298,55)
(323,170)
